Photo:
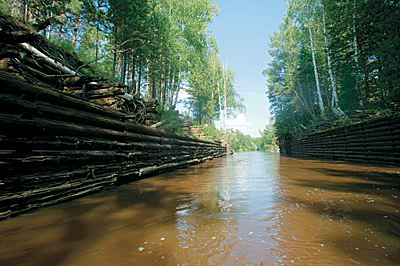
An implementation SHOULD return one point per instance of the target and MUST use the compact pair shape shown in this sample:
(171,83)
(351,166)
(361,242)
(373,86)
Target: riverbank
(376,141)
(56,147)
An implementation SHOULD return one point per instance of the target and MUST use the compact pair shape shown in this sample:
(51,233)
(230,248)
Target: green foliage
(211,131)
(360,41)
(172,117)
(157,47)
(210,86)
(268,139)
(240,142)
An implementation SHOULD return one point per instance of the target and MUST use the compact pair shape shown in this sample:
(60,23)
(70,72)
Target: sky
(242,30)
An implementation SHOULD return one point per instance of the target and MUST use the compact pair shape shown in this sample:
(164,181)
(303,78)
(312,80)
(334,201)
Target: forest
(240,142)
(158,48)
(334,63)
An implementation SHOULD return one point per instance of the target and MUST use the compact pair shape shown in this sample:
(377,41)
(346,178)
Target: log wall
(55,147)
(375,141)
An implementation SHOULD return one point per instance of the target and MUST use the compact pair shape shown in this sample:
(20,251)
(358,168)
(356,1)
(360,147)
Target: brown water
(248,209)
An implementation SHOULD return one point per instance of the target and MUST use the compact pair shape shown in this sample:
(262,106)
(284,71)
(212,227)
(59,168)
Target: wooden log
(58,98)
(13,84)
(160,124)
(15,125)
(107,101)
(47,59)
(105,93)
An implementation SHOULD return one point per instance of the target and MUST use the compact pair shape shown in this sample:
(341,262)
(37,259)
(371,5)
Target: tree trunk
(366,78)
(219,100)
(165,95)
(76,29)
(114,63)
(165,90)
(177,85)
(26,11)
(225,105)
(139,78)
(334,97)
(213,82)
(133,84)
(160,91)
(319,95)
(118,66)
(124,63)
(170,86)
(356,55)
(147,92)
(153,83)
(97,42)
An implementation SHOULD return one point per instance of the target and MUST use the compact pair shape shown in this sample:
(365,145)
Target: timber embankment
(376,141)
(55,147)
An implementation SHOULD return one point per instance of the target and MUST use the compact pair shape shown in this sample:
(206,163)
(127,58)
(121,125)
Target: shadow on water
(356,181)
(246,209)
(384,178)
(62,230)
(340,161)
(374,202)
(386,184)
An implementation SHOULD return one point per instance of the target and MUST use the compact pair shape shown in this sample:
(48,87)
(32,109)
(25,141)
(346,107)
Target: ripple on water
(250,208)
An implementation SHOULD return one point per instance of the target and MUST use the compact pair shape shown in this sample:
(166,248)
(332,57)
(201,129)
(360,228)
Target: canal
(247,209)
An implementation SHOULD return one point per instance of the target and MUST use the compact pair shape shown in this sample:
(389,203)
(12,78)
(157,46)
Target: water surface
(247,209)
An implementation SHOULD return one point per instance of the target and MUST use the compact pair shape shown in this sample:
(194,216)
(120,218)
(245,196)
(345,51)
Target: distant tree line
(240,142)
(334,60)
(157,47)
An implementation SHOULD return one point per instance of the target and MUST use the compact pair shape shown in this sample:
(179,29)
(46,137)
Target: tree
(156,47)
(332,59)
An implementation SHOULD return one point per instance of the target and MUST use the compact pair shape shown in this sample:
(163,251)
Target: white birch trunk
(219,100)
(225,112)
(319,95)
(147,93)
(178,87)
(213,82)
(334,98)
(172,93)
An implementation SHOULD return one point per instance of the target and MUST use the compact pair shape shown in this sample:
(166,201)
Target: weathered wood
(55,147)
(377,141)
(13,84)
(102,93)
(47,59)
(160,124)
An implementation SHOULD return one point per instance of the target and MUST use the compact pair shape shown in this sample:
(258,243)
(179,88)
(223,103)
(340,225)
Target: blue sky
(242,30)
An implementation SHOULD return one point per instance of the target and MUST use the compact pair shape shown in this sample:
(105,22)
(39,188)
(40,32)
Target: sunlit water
(247,209)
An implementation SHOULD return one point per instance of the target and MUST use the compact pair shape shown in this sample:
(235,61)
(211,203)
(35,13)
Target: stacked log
(224,142)
(186,125)
(101,92)
(151,111)
(41,62)
(40,72)
(30,55)
(375,141)
(197,132)
(55,147)
(58,139)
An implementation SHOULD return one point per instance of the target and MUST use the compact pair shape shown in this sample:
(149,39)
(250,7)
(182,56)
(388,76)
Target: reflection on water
(251,208)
